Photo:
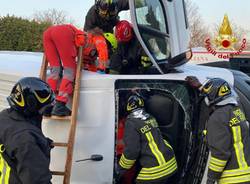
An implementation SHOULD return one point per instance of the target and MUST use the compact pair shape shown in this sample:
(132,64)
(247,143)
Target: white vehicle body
(96,117)
(97,113)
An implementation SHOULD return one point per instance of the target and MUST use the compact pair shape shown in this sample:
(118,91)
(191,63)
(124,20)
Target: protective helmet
(134,102)
(30,96)
(123,31)
(106,8)
(215,90)
(110,37)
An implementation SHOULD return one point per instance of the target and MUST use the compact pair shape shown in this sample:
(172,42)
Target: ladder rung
(60,144)
(58,117)
(59,173)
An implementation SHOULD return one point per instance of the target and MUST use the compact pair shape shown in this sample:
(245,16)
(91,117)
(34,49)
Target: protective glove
(210,181)
(193,82)
(50,143)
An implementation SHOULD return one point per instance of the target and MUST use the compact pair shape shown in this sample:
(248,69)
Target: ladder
(73,118)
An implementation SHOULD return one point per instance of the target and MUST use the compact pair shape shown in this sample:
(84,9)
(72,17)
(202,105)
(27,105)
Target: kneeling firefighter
(227,133)
(145,144)
(61,43)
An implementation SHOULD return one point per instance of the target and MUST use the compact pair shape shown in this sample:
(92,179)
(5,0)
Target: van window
(152,24)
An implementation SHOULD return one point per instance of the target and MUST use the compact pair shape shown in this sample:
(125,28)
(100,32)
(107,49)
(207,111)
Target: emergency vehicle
(100,98)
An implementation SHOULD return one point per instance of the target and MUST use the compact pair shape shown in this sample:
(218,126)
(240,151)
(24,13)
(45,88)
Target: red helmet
(123,31)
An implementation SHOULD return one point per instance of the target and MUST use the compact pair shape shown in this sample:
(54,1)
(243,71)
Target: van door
(155,24)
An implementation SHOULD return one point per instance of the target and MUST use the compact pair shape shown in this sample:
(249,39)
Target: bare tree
(198,31)
(52,16)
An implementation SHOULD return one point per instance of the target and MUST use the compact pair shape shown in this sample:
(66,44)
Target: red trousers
(60,50)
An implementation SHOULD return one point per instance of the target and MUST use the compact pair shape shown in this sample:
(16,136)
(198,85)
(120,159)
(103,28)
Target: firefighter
(144,143)
(61,45)
(227,133)
(130,57)
(103,16)
(24,150)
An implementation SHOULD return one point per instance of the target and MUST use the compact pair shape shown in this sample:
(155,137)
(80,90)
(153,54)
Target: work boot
(60,109)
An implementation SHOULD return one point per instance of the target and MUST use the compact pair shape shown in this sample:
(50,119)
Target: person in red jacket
(61,43)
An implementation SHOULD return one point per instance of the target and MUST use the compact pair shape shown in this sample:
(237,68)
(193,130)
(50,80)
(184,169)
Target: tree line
(21,34)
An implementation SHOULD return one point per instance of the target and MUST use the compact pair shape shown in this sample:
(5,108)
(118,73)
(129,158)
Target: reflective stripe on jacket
(143,142)
(93,46)
(229,143)
(4,168)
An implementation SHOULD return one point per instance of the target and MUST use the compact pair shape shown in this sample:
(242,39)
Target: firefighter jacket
(229,143)
(130,58)
(93,20)
(25,157)
(61,43)
(144,143)
(93,46)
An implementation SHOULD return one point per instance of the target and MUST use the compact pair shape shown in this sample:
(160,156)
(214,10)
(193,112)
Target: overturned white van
(101,98)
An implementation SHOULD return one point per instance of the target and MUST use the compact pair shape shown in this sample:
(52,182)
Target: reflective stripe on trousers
(53,77)
(66,86)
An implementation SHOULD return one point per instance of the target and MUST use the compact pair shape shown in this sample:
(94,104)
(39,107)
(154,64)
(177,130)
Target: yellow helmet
(110,37)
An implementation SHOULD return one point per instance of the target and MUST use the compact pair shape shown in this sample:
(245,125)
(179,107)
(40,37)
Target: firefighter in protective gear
(144,143)
(130,57)
(227,134)
(103,16)
(61,45)
(24,150)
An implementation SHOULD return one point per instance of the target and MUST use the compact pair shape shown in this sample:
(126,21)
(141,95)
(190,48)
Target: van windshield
(152,25)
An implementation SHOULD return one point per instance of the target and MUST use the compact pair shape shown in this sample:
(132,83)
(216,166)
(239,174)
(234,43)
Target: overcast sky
(212,11)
